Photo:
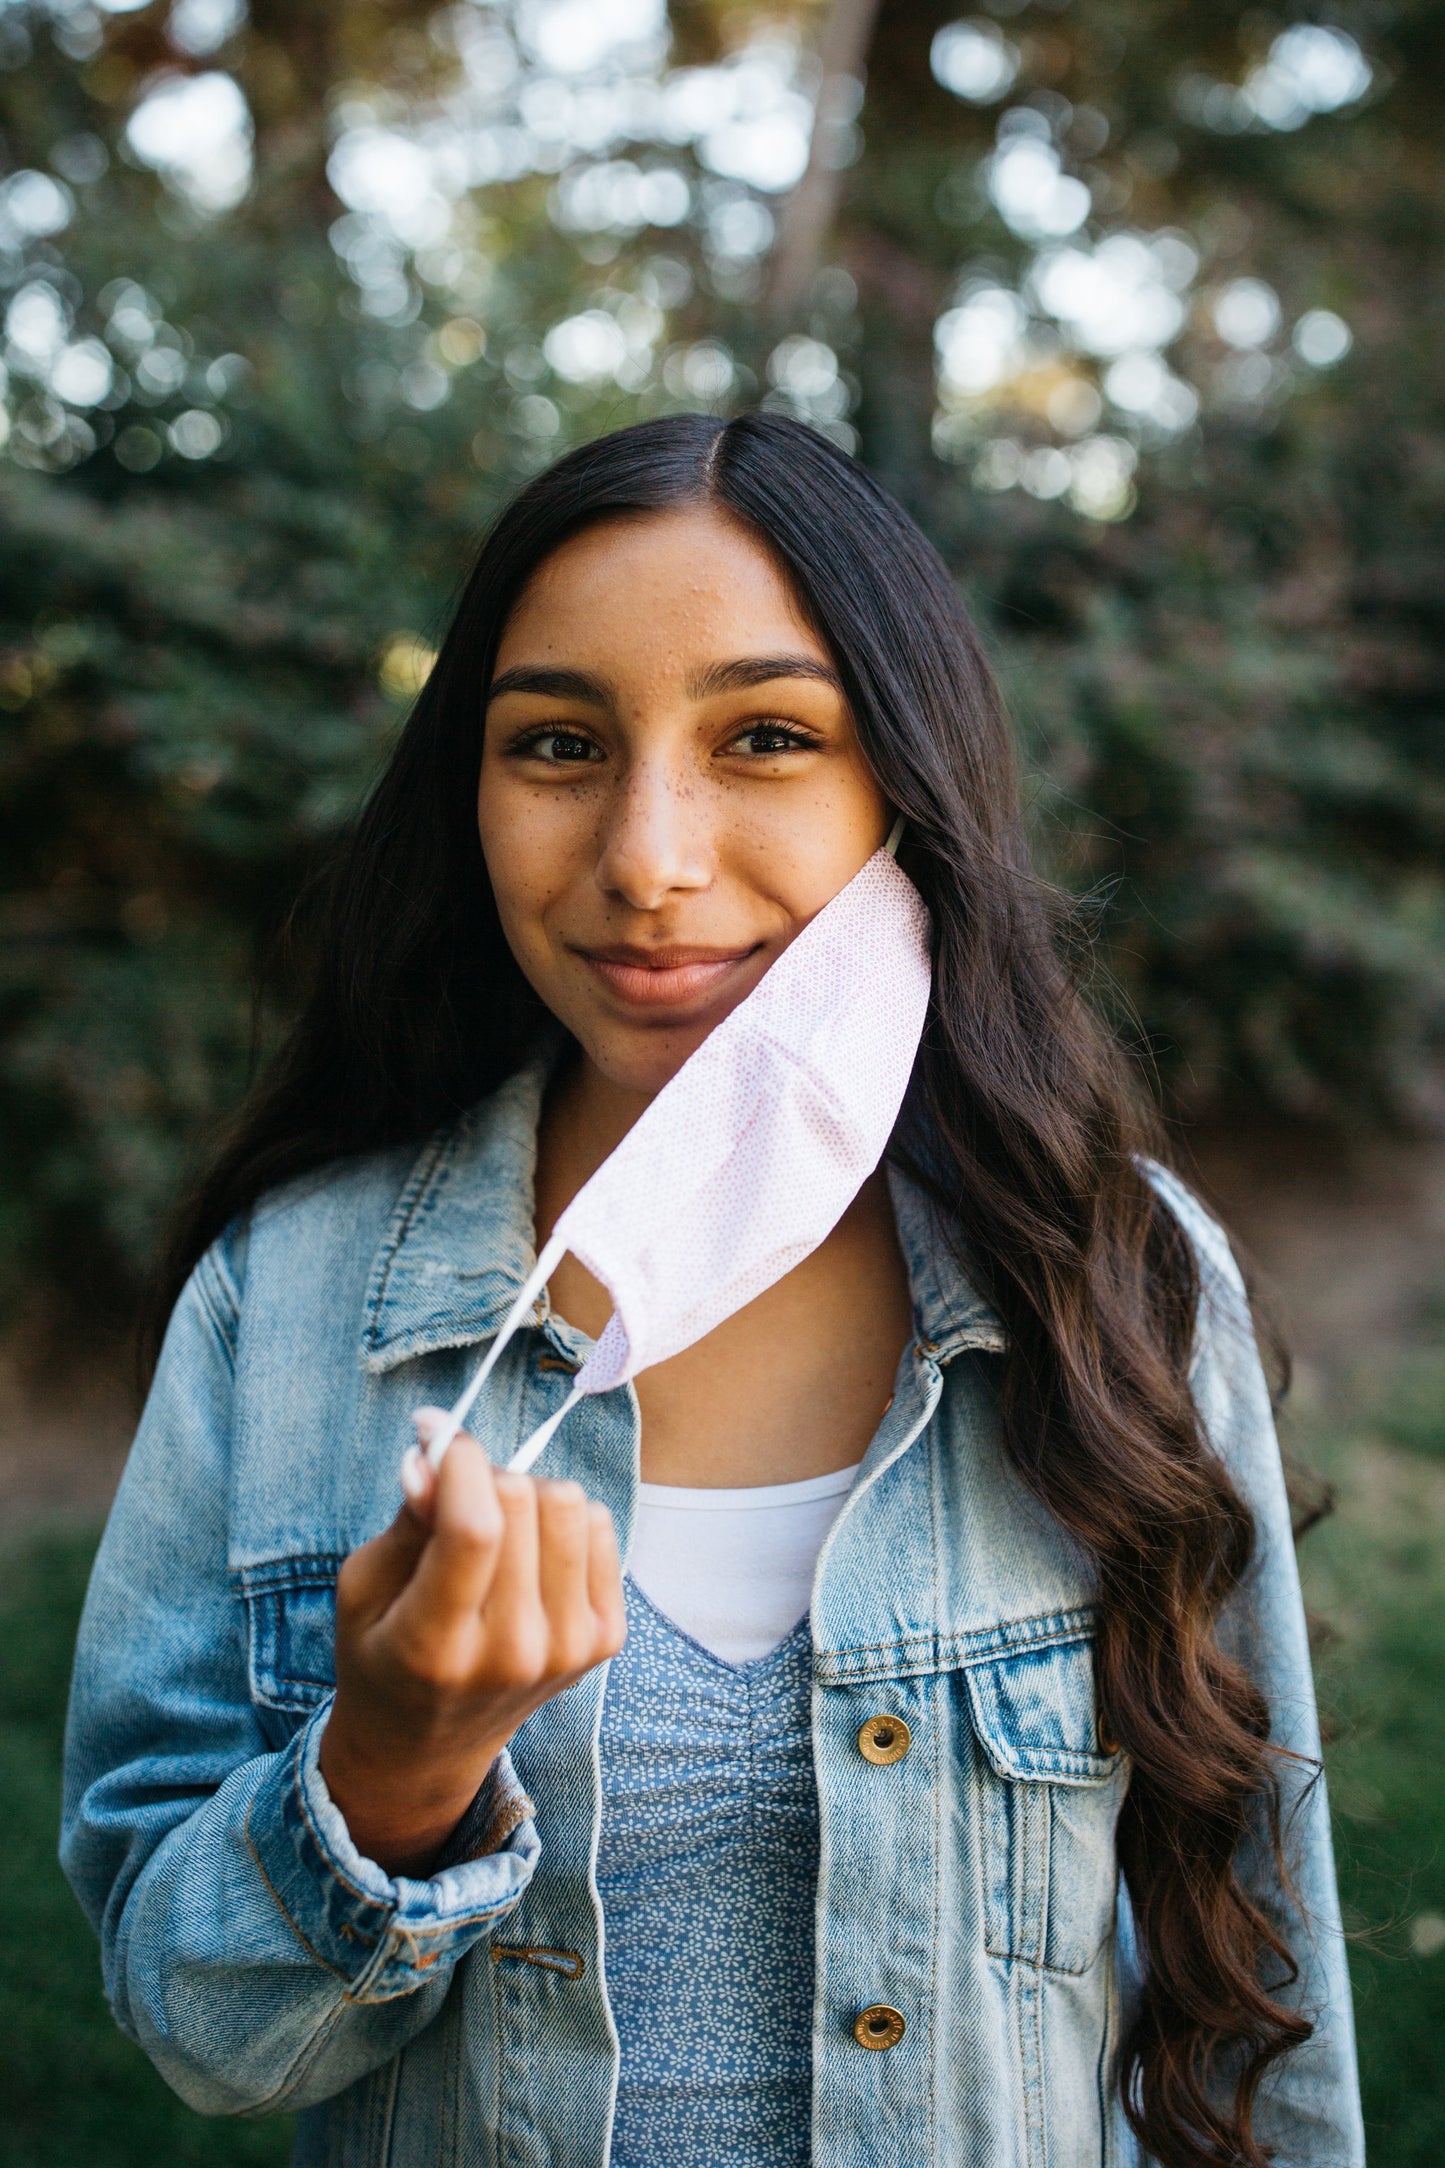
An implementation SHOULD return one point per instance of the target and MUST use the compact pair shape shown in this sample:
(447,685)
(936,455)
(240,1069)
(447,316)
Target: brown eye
(766,738)
(562,748)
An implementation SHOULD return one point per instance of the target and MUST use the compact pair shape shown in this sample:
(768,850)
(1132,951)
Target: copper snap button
(884,1739)
(879,2026)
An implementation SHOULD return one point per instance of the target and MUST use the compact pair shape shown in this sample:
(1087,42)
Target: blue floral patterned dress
(707,1868)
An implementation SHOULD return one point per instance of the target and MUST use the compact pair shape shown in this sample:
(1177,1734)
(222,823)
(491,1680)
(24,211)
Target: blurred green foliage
(1374,1574)
(218,579)
(77,2094)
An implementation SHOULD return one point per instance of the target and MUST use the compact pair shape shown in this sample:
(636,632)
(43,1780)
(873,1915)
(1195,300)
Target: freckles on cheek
(536,852)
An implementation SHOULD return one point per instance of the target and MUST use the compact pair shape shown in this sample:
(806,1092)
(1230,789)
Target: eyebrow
(720,677)
(553,685)
(750,670)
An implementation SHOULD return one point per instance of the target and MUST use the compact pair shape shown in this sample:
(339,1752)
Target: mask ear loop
(546,1264)
(895,836)
(532,1449)
(527,1455)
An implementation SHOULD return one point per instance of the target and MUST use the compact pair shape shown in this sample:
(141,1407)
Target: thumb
(378,1571)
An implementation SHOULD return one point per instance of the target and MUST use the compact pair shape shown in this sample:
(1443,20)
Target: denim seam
(222,1306)
(996,1643)
(1032,2014)
(1038,1964)
(384,2084)
(276,2100)
(281,1906)
(1103,2085)
(1026,1985)
(935,1728)
(426,1177)
(450,2118)
(271,1576)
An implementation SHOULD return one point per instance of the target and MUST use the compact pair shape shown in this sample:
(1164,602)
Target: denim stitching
(412,1930)
(310,1569)
(960,1652)
(296,2075)
(308,1946)
(426,1176)
(221,1303)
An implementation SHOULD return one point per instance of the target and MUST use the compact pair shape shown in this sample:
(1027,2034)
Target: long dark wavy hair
(1035,1134)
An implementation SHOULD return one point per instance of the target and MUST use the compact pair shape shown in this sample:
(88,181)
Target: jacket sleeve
(1309,2108)
(256,1956)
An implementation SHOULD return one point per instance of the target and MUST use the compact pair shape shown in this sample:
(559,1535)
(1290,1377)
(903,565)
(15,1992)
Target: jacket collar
(459,1245)
(950,1313)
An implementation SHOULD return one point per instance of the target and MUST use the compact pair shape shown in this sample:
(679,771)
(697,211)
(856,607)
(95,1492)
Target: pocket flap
(1036,1714)
(291,1618)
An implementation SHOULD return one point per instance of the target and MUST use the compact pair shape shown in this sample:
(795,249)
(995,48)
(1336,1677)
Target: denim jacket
(970,1886)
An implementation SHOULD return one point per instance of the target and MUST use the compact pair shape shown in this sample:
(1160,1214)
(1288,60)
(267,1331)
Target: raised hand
(488,1594)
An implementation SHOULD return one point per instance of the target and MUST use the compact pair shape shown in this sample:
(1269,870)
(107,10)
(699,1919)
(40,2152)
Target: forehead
(645,589)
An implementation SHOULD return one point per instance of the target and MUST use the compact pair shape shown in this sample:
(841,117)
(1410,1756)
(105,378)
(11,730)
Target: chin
(644,1061)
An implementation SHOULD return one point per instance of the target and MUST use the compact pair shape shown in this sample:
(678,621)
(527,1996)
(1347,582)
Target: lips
(664,978)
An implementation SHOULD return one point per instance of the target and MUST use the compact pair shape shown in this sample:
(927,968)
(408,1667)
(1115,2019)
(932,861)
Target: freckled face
(671,783)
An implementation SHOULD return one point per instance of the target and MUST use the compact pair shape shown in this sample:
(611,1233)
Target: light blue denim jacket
(972,1885)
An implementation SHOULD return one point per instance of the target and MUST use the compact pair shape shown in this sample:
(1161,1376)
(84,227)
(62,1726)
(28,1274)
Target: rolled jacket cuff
(385,1935)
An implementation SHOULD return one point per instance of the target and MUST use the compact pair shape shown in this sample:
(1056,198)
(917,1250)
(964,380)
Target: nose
(655,842)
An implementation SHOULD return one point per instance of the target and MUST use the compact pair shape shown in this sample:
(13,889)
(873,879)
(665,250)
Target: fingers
(556,1605)
(604,1584)
(563,1513)
(418,1482)
(517,1636)
(490,1580)
(457,1567)
(374,1575)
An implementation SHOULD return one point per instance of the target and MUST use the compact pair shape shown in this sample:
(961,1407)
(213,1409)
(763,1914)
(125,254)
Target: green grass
(79,2096)
(76,2093)
(1375,1574)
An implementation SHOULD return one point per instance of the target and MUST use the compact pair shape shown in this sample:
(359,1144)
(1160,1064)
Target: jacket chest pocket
(290,1608)
(1050,1807)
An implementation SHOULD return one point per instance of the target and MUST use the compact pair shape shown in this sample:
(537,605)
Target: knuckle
(439,1675)
(562,1495)
(437,1665)
(572,1651)
(471,1529)
(517,1655)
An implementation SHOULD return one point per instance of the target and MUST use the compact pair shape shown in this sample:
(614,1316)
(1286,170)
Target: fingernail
(413,1475)
(428,1422)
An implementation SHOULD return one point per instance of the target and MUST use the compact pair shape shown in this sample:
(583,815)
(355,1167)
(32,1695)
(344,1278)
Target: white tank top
(734,1568)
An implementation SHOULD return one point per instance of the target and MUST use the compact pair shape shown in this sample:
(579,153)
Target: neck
(584,1118)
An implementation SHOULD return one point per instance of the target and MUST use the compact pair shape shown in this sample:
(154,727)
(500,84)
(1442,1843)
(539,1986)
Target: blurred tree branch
(810,209)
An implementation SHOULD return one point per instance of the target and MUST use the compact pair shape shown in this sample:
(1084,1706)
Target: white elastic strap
(895,836)
(551,1256)
(526,1456)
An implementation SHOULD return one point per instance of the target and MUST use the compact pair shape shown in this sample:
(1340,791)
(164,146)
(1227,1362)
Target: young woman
(938,1782)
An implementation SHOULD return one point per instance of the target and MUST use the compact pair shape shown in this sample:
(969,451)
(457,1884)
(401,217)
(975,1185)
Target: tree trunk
(810,210)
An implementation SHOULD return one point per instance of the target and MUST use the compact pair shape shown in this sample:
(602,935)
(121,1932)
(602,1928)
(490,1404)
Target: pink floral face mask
(751,1154)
